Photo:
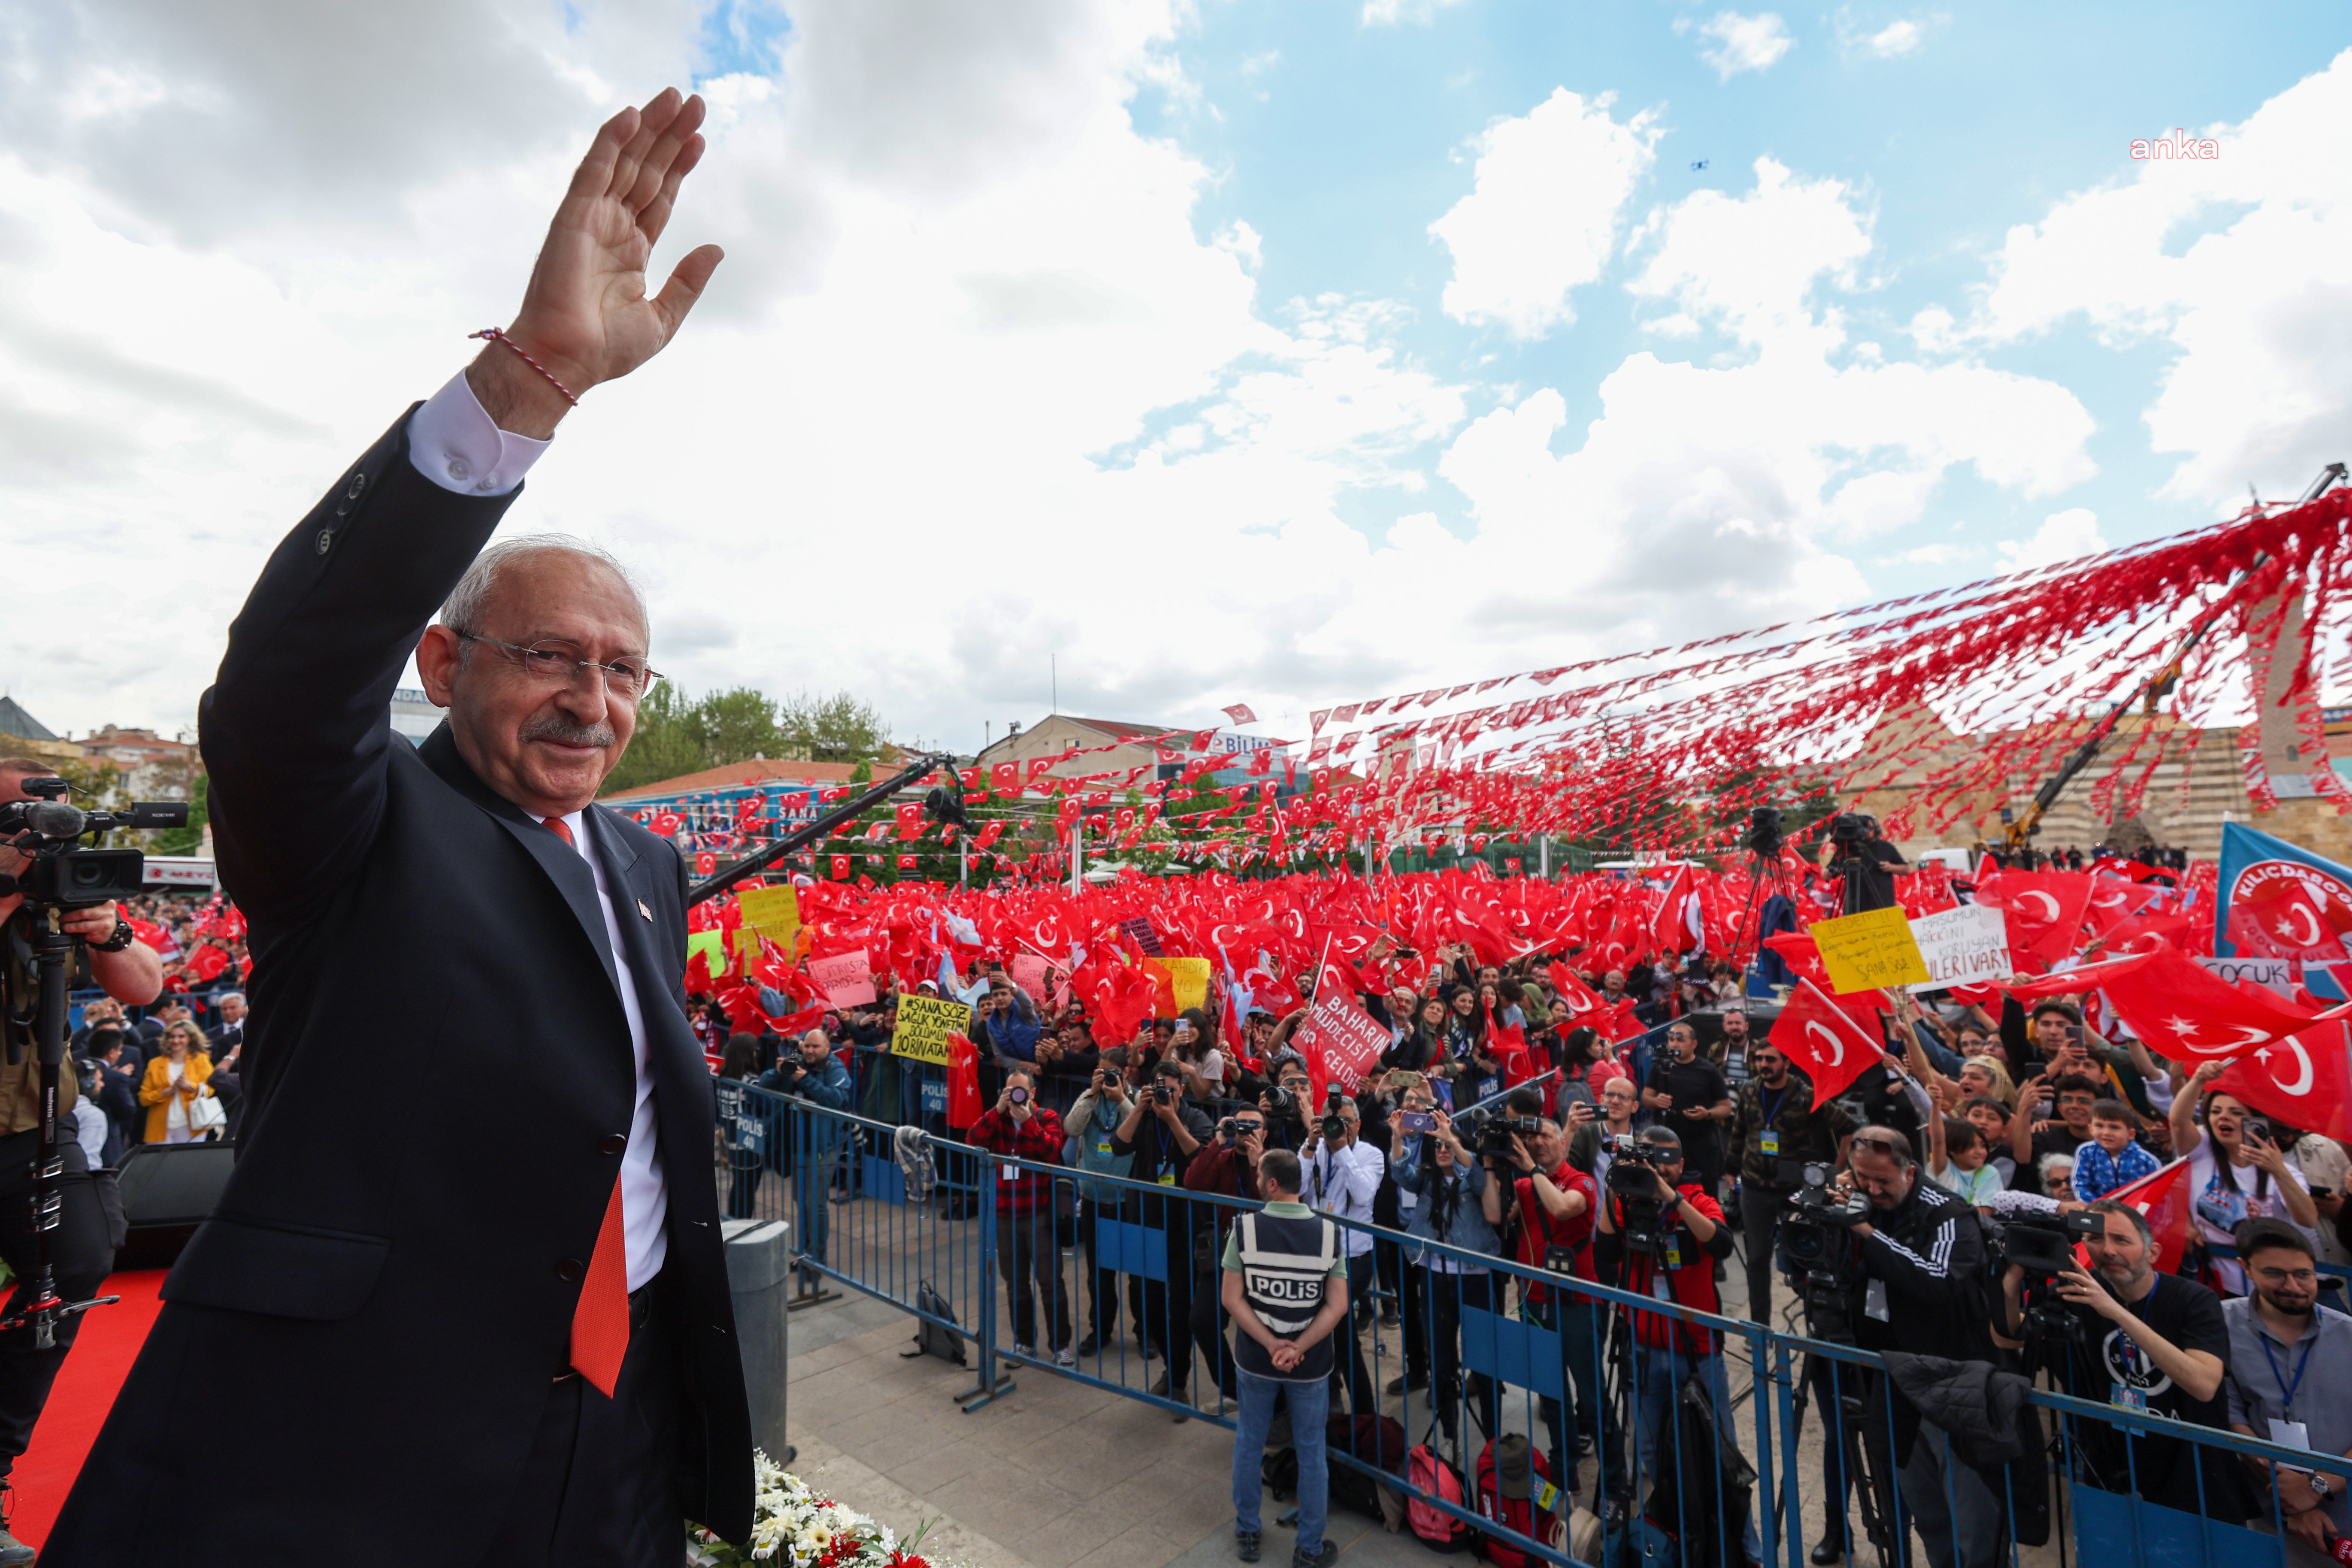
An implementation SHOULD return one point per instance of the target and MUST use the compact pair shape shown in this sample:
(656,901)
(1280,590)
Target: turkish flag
(1004,776)
(2187,1012)
(2163,1200)
(2284,920)
(1670,923)
(1579,997)
(2044,909)
(840,868)
(963,1082)
(1824,1040)
(1240,713)
(207,961)
(2301,1079)
(666,824)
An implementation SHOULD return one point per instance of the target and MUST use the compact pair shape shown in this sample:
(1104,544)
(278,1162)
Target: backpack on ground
(935,1326)
(1511,1464)
(1371,1439)
(1424,1472)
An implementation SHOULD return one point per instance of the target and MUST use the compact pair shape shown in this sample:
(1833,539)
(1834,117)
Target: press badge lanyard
(1768,1137)
(2287,1389)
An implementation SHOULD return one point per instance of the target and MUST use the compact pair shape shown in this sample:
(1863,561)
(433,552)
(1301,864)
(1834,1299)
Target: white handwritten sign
(1964,946)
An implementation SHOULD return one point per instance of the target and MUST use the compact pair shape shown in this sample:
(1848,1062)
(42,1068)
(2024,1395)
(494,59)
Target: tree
(189,839)
(835,728)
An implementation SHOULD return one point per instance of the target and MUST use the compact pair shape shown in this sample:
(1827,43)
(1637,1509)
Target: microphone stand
(808,833)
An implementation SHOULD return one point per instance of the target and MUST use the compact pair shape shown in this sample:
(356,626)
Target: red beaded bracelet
(497,335)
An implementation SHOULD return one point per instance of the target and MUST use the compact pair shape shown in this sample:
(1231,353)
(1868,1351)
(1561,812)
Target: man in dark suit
(420,1330)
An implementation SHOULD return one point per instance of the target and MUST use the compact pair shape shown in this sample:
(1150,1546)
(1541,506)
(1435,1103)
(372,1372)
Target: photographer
(1692,1096)
(1775,1133)
(1343,1177)
(128,971)
(1557,1210)
(1163,1133)
(1287,1123)
(1026,1246)
(1416,1115)
(2146,1343)
(1922,1265)
(1457,1204)
(1867,861)
(2290,1380)
(818,1077)
(1225,1167)
(1094,1121)
(1661,1235)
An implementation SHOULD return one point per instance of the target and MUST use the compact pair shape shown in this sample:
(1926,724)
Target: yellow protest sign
(924,1025)
(775,912)
(1189,977)
(1868,951)
(712,945)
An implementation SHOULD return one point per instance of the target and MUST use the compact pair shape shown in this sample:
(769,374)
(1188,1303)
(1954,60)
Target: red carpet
(86,1385)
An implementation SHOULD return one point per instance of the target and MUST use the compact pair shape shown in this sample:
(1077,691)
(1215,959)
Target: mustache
(555,727)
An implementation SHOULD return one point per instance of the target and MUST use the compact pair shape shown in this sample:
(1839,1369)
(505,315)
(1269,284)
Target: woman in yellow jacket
(174,1082)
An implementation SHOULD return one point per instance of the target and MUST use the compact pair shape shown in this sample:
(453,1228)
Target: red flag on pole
(1823,1041)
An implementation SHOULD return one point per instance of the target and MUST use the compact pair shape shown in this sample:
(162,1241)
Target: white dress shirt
(453,443)
(1341,1182)
(645,1202)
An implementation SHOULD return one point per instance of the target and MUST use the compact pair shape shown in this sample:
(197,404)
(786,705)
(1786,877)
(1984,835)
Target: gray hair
(230,996)
(2049,1163)
(462,612)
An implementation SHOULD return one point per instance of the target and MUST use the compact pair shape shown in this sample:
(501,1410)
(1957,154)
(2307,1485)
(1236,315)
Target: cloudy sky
(1237,350)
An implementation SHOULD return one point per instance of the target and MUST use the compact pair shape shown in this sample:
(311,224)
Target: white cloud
(973,390)
(1741,43)
(1394,13)
(2063,536)
(1544,211)
(2238,262)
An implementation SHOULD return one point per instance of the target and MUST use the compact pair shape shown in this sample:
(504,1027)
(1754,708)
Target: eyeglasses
(2287,1276)
(627,678)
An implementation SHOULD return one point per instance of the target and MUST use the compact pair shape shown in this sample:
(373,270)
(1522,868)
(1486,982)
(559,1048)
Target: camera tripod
(41,957)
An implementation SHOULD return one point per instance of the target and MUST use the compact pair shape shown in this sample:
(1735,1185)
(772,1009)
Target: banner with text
(924,1025)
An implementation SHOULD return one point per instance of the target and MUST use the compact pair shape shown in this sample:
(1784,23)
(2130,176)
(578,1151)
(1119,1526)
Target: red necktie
(600,1323)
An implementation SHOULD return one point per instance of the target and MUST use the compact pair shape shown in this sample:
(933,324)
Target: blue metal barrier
(1707,1428)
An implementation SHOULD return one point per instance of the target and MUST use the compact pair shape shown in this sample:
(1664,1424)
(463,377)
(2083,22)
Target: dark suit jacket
(368,1325)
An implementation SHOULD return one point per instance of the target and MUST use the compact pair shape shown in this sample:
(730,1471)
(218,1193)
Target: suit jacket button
(612,1142)
(570,1268)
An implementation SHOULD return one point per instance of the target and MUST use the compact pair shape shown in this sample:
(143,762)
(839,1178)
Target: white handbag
(206,1115)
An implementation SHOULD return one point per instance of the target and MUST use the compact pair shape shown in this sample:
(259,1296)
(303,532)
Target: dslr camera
(1334,1129)
(1491,1131)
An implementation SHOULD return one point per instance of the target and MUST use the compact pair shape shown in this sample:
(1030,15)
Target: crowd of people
(1978,1123)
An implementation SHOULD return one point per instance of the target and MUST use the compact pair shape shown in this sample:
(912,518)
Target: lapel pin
(642,910)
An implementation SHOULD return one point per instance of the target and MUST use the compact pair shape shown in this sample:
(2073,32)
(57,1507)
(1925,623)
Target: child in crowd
(1956,1161)
(2109,1158)
(1991,1118)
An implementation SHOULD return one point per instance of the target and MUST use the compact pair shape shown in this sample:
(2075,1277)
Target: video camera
(62,874)
(1817,1254)
(1849,830)
(2043,1246)
(1631,1163)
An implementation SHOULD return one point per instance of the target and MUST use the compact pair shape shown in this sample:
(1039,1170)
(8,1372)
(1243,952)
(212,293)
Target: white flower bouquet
(791,1525)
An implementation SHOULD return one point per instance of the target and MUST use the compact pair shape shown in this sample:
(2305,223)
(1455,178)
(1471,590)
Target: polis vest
(1285,1264)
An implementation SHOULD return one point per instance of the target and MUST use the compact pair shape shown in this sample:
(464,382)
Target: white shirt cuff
(453,443)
